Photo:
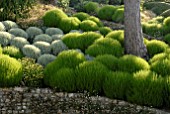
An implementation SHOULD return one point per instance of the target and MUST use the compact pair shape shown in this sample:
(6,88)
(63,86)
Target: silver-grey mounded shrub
(58,46)
(33,31)
(31,51)
(45,47)
(19,42)
(53,31)
(46,59)
(43,37)
(79,31)
(9,25)
(56,37)
(2,27)
(5,38)
(18,32)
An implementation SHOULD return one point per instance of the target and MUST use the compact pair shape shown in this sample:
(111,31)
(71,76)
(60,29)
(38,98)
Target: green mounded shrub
(91,7)
(166,22)
(53,31)
(101,1)
(33,31)
(45,59)
(5,38)
(53,17)
(157,19)
(118,16)
(19,42)
(32,73)
(155,47)
(10,71)
(166,13)
(58,46)
(167,91)
(105,30)
(31,51)
(131,63)
(88,25)
(117,35)
(0,50)
(115,2)
(105,46)
(68,24)
(56,37)
(159,57)
(63,80)
(9,25)
(45,47)
(81,16)
(145,41)
(43,37)
(161,67)
(90,76)
(96,20)
(110,61)
(117,84)
(18,32)
(12,52)
(106,12)
(147,89)
(167,39)
(2,27)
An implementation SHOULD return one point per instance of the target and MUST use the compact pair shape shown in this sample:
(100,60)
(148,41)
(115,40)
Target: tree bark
(134,43)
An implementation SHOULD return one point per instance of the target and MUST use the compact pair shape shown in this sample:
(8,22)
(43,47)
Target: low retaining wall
(46,101)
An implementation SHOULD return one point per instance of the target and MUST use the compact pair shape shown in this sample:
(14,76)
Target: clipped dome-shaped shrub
(45,59)
(106,12)
(9,25)
(18,32)
(5,38)
(166,22)
(12,52)
(19,42)
(68,24)
(0,50)
(147,88)
(31,51)
(110,61)
(2,27)
(73,31)
(118,16)
(56,37)
(53,17)
(104,30)
(91,7)
(88,25)
(53,31)
(81,16)
(131,63)
(58,46)
(10,71)
(45,47)
(117,35)
(167,38)
(63,80)
(105,46)
(43,37)
(159,57)
(96,20)
(117,84)
(155,47)
(33,31)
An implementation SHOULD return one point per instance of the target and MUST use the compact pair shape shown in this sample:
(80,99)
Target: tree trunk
(134,43)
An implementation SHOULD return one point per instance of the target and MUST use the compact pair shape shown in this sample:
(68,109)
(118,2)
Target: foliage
(166,22)
(53,31)
(19,42)
(167,38)
(68,24)
(58,46)
(96,20)
(118,16)
(32,73)
(117,84)
(45,59)
(147,89)
(12,52)
(91,7)
(63,3)
(2,27)
(45,47)
(33,31)
(9,25)
(105,30)
(81,16)
(31,51)
(18,32)
(131,63)
(159,57)
(155,47)
(11,71)
(43,37)
(115,2)
(88,25)
(5,38)
(166,13)
(101,1)
(56,37)
(105,46)
(110,61)
(106,12)
(90,76)
(53,17)
(80,6)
